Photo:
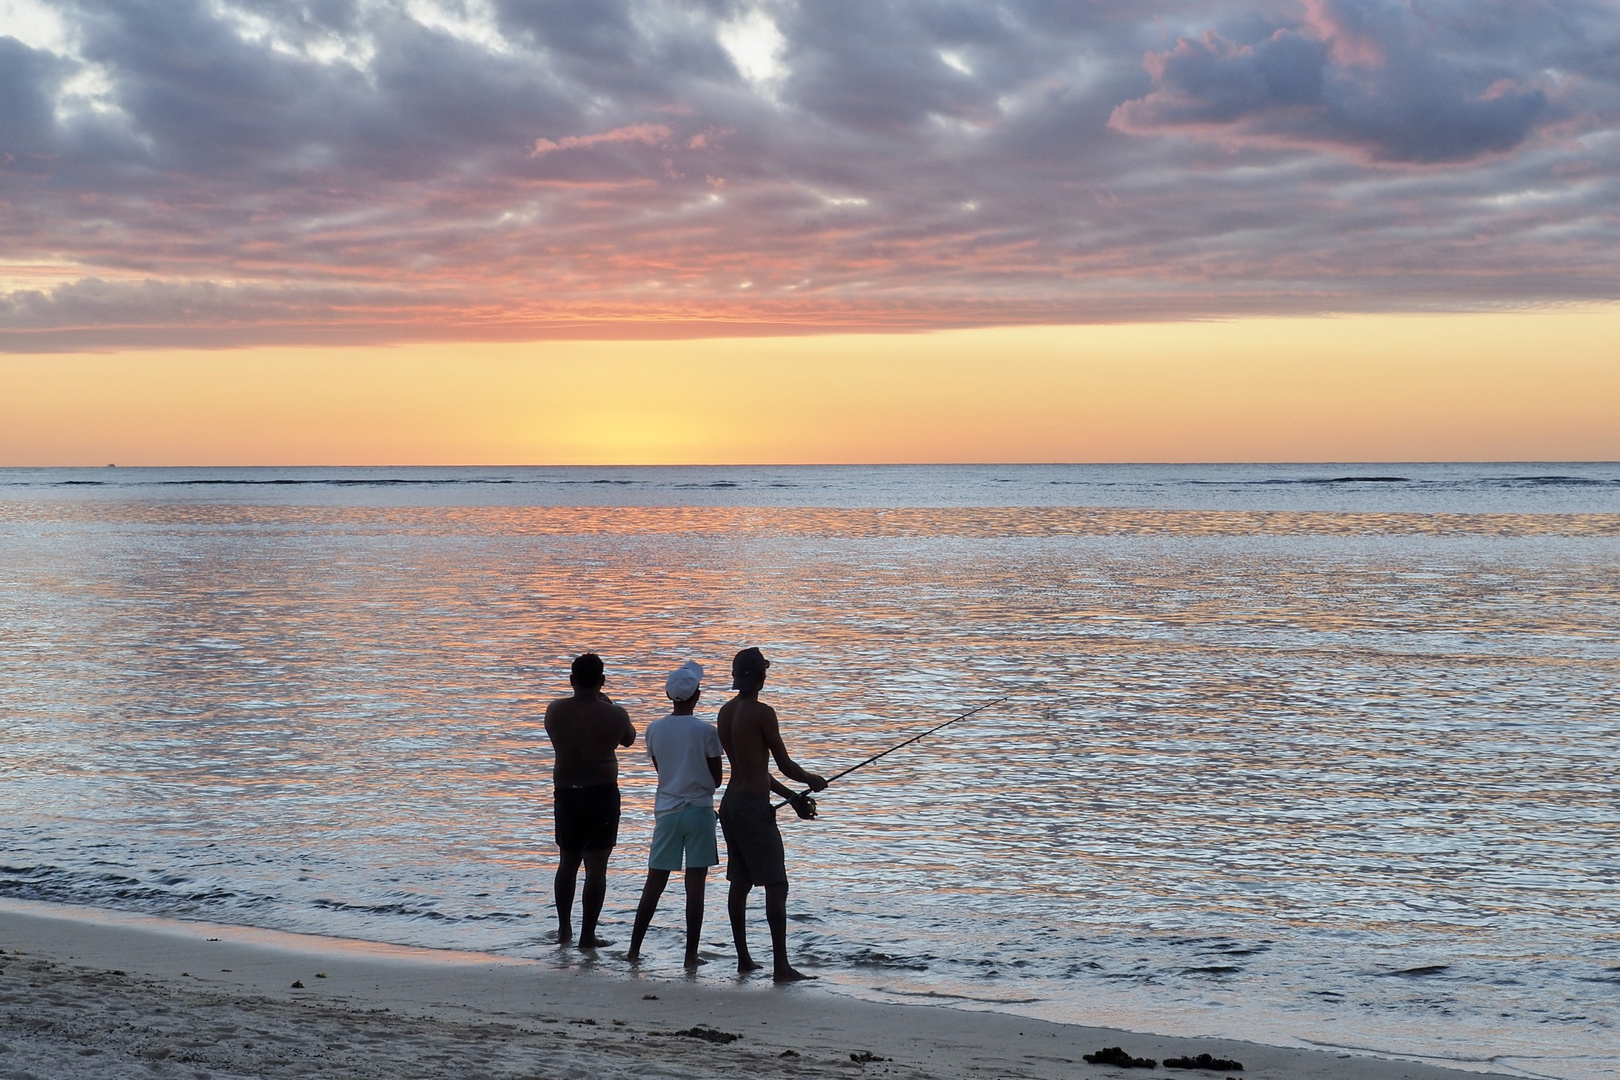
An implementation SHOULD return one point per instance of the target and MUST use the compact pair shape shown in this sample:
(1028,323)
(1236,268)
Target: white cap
(683,681)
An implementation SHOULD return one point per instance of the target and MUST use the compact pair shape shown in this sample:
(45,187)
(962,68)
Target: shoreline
(86,992)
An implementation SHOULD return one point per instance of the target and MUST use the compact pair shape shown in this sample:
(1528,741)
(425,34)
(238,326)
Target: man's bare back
(585,732)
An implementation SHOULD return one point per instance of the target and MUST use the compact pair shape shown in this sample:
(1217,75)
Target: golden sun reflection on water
(969,522)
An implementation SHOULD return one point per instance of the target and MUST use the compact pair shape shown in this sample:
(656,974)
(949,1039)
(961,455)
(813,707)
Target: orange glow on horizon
(1511,386)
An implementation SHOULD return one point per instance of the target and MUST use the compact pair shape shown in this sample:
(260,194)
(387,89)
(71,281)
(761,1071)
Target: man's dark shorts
(587,817)
(753,842)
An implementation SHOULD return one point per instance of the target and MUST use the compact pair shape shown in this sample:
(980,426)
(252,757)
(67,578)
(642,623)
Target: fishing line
(897,746)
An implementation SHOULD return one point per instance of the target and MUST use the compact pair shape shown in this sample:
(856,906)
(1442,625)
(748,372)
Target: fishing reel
(804,806)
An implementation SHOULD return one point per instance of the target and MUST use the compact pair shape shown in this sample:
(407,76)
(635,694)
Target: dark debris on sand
(1114,1055)
(864,1057)
(1204,1061)
(707,1034)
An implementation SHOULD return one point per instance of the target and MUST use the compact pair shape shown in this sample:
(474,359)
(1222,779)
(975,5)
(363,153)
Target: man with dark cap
(752,738)
(586,730)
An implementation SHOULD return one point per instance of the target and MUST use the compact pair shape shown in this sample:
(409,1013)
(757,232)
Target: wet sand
(93,994)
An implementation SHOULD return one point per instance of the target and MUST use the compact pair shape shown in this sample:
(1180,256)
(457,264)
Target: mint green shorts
(688,831)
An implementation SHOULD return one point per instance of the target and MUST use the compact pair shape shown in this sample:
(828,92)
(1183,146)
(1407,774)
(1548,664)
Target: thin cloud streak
(181,172)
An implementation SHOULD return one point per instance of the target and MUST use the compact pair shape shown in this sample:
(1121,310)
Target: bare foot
(632,957)
(593,942)
(565,934)
(695,961)
(745,964)
(790,975)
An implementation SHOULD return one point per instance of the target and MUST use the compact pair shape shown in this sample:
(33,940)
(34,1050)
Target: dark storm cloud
(27,81)
(177,171)
(1398,82)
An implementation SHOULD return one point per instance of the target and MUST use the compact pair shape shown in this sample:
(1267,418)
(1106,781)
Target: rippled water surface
(1311,754)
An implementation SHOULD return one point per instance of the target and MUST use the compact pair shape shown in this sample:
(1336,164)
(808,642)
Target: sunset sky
(554,231)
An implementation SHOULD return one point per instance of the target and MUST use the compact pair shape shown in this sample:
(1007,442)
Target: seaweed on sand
(707,1034)
(1114,1055)
(1204,1061)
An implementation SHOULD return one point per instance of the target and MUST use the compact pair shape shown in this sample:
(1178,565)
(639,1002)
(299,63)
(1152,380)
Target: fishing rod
(797,799)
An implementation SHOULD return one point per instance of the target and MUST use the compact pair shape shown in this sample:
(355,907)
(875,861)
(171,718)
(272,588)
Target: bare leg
(737,908)
(696,877)
(595,892)
(776,917)
(563,888)
(650,892)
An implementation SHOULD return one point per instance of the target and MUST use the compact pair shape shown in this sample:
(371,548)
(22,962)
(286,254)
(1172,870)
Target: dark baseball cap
(748,662)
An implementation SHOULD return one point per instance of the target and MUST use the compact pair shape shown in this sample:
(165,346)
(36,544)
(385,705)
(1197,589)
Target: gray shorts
(753,843)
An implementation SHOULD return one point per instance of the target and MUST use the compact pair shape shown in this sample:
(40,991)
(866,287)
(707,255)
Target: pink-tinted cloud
(651,134)
(233,171)
(1380,80)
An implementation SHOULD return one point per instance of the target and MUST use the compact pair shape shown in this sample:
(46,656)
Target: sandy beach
(87,993)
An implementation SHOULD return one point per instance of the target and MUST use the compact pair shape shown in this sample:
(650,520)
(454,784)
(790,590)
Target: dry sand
(92,994)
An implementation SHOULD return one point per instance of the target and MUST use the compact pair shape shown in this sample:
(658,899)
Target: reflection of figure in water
(586,730)
(752,738)
(686,753)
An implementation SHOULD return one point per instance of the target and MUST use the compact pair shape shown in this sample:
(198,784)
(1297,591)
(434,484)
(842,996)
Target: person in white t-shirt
(686,752)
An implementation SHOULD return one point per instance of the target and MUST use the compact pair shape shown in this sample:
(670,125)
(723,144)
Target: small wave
(1212,969)
(1611,979)
(342,481)
(58,886)
(385,909)
(292,481)
(1369,480)
(871,958)
(1415,972)
(1557,481)
(1305,481)
(940,995)
(1239,950)
(499,917)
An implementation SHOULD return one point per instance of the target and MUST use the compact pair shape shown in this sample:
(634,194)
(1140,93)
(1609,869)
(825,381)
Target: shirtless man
(751,738)
(586,730)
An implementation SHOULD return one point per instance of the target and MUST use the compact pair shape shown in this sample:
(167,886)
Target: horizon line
(839,464)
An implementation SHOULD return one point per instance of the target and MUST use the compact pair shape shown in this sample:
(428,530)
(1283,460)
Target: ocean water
(1319,755)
